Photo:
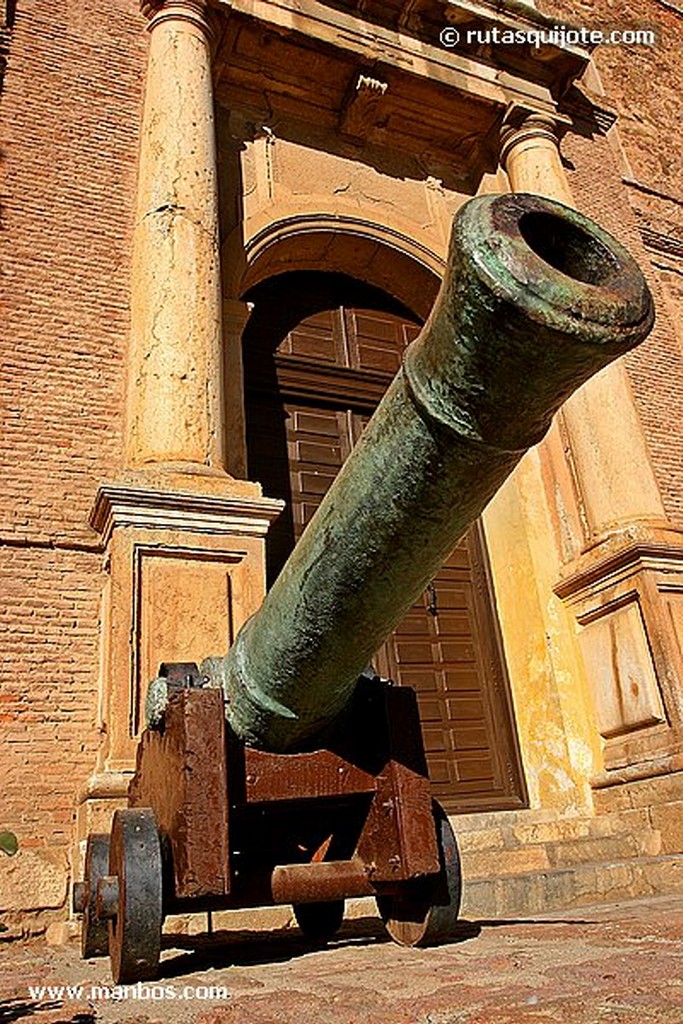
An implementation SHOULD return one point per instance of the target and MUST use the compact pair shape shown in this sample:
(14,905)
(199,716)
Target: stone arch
(377,254)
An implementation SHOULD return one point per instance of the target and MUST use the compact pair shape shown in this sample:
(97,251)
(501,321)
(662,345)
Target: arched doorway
(319,351)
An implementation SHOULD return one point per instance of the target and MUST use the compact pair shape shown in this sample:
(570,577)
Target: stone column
(619,574)
(175,378)
(614,475)
(184,541)
(530,155)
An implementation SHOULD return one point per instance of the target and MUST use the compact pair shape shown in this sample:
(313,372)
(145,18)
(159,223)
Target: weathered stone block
(616,881)
(485,839)
(668,820)
(485,864)
(661,875)
(593,851)
(634,821)
(519,895)
(61,933)
(558,889)
(661,790)
(33,880)
(552,831)
(614,798)
(479,900)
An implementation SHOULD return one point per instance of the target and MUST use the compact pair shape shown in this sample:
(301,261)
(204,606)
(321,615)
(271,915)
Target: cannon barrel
(536,298)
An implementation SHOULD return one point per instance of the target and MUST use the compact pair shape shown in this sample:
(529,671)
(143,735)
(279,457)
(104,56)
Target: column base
(103,793)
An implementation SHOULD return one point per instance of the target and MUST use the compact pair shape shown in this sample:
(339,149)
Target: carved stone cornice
(665,243)
(131,505)
(605,118)
(619,555)
(590,110)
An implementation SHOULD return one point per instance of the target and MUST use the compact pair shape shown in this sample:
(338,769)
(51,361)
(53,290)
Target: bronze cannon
(283,772)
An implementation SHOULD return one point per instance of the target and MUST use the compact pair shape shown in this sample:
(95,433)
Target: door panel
(447,647)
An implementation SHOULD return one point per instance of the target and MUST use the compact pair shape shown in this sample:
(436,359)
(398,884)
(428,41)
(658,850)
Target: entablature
(327,63)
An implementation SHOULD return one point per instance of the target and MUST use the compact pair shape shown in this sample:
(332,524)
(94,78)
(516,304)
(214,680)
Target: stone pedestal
(186,565)
(627,595)
(185,556)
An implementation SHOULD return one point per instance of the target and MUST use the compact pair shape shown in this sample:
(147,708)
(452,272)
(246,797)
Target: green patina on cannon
(535,300)
(280,773)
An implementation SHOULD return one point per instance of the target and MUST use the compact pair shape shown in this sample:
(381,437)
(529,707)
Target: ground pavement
(618,964)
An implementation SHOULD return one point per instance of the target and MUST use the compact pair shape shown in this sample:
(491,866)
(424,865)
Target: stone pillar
(175,407)
(614,475)
(620,564)
(184,541)
(530,155)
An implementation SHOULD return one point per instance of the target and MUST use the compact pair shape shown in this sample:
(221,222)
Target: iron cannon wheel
(135,931)
(319,921)
(425,913)
(94,933)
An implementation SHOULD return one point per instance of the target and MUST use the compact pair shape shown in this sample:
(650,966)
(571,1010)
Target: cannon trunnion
(280,773)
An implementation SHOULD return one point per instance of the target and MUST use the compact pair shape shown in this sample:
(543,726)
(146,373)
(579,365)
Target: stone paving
(617,964)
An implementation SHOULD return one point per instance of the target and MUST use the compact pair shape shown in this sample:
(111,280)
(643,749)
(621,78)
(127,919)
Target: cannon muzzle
(535,299)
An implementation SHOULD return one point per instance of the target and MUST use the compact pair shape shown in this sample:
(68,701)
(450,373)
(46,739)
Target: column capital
(522,123)
(197,12)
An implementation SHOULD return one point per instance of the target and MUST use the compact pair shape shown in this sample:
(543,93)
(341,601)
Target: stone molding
(619,556)
(196,12)
(522,123)
(424,58)
(590,110)
(657,767)
(659,242)
(382,254)
(308,223)
(605,118)
(105,786)
(124,504)
(362,107)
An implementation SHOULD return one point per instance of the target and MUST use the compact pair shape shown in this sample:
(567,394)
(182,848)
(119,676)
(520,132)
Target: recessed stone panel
(620,666)
(185,609)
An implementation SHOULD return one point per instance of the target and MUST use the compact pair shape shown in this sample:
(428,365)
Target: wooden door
(308,397)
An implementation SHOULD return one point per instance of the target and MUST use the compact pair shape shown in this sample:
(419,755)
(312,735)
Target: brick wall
(644,82)
(49,631)
(71,109)
(71,101)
